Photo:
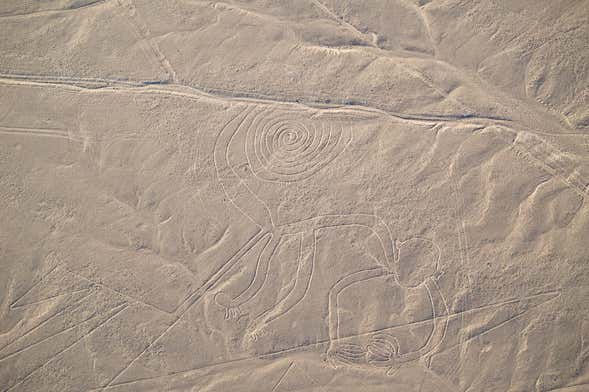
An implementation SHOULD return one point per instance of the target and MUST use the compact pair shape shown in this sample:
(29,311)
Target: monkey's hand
(232,312)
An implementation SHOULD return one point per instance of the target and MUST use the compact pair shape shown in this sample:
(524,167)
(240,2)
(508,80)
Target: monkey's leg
(440,314)
(260,274)
(333,319)
(343,283)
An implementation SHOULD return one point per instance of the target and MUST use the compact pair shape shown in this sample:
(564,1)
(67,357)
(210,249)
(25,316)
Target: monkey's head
(417,260)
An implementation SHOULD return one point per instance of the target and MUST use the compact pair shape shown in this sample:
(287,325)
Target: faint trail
(144,34)
(117,293)
(190,301)
(40,280)
(540,153)
(49,337)
(199,92)
(409,69)
(340,20)
(583,387)
(550,294)
(463,250)
(422,382)
(426,24)
(282,377)
(68,80)
(44,322)
(52,11)
(51,298)
(275,354)
(114,312)
(39,132)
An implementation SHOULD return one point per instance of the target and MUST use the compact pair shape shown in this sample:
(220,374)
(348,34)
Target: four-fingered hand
(347,353)
(224,301)
(382,350)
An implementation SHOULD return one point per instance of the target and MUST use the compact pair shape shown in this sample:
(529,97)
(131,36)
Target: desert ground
(294,195)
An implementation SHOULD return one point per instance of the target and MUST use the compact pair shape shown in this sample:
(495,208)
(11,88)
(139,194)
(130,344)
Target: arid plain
(294,195)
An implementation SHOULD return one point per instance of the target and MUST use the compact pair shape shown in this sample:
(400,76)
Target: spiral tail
(291,146)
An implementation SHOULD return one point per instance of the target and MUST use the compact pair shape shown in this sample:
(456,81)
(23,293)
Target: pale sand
(305,195)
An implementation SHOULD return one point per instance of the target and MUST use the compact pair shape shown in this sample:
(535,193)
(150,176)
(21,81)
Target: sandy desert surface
(294,195)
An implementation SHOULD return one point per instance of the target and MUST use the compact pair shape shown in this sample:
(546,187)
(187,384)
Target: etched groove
(188,303)
(540,153)
(143,33)
(282,376)
(49,337)
(199,92)
(286,147)
(283,147)
(114,312)
(26,333)
(52,11)
(550,295)
(39,132)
